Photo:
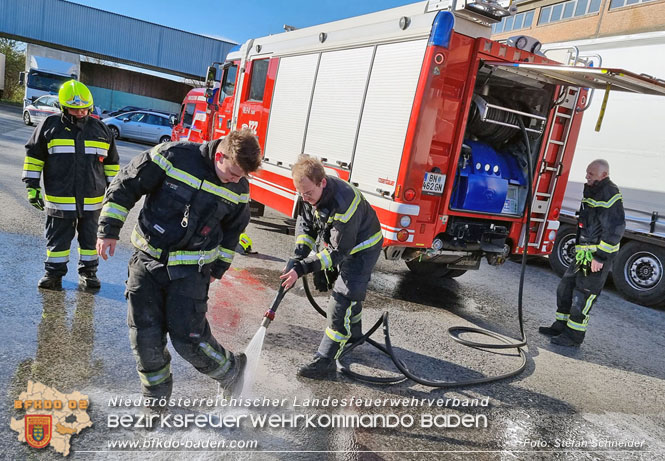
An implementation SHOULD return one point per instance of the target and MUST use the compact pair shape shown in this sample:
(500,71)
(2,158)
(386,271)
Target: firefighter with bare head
(196,207)
(338,238)
(600,229)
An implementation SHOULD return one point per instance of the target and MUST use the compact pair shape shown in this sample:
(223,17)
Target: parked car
(141,126)
(40,108)
(122,111)
(47,105)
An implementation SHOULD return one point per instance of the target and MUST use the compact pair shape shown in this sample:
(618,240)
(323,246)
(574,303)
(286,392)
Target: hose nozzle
(268,317)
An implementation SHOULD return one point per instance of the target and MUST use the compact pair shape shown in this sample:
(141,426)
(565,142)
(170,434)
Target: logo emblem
(38,430)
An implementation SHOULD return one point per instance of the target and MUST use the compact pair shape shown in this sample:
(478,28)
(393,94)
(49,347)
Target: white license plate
(433,183)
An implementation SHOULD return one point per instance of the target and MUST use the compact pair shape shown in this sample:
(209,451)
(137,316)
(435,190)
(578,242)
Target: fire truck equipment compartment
(489,181)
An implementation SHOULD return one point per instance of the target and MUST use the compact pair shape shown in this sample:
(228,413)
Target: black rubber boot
(564,339)
(554,330)
(50,282)
(89,281)
(232,381)
(320,368)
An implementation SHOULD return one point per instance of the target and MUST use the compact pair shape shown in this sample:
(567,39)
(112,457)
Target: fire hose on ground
(455,333)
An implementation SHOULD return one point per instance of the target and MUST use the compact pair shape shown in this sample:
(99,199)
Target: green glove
(583,259)
(35,198)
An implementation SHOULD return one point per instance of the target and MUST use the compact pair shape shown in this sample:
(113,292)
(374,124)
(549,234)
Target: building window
(522,20)
(556,12)
(621,3)
(571,9)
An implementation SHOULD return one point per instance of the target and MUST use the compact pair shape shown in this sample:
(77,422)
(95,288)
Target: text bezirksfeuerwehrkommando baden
(296,420)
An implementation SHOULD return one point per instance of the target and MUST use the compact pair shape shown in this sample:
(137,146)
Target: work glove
(35,198)
(324,280)
(583,260)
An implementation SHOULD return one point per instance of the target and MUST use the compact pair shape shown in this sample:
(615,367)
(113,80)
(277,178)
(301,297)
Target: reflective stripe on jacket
(190,219)
(602,220)
(343,220)
(75,163)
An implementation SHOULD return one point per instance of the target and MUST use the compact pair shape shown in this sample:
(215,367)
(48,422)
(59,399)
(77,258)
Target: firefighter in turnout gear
(600,228)
(76,156)
(335,214)
(195,209)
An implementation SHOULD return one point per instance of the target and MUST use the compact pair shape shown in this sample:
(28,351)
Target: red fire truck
(429,118)
(192,121)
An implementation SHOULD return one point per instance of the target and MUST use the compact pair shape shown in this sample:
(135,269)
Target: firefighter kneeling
(195,210)
(346,226)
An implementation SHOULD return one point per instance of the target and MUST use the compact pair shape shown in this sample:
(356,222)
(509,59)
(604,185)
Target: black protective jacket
(602,220)
(190,220)
(75,162)
(343,221)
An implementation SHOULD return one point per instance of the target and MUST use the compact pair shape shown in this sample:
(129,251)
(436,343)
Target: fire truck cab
(191,124)
(449,135)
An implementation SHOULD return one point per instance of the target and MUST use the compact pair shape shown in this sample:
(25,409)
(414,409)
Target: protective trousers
(575,297)
(60,232)
(157,306)
(344,313)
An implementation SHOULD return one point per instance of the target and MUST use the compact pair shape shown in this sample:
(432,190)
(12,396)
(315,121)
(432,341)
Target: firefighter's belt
(184,257)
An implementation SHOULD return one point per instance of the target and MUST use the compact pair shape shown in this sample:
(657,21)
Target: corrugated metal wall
(110,36)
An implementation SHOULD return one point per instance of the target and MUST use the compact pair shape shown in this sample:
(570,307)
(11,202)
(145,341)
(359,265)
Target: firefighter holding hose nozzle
(337,216)
(195,209)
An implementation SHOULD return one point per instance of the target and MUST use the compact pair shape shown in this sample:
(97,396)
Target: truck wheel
(432,269)
(26,118)
(563,252)
(639,273)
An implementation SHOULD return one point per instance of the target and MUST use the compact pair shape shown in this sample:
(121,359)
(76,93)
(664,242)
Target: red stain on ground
(237,294)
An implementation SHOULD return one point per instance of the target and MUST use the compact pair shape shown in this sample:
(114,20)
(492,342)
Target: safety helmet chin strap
(75,120)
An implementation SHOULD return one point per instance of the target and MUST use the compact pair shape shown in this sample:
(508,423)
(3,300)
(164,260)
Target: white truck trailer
(632,140)
(45,71)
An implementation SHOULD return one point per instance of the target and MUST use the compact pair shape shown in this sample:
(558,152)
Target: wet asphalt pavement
(605,400)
